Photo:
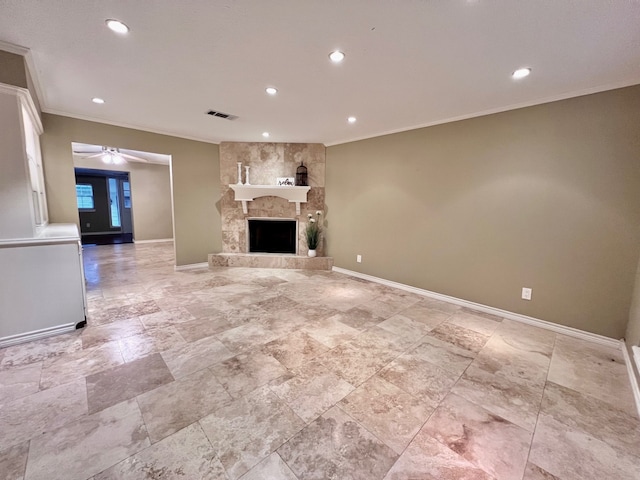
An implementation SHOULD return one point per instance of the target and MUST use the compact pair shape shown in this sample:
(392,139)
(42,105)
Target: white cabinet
(41,285)
(34,166)
(22,195)
(41,274)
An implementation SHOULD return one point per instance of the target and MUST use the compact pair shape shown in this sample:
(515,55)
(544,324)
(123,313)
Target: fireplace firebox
(272,235)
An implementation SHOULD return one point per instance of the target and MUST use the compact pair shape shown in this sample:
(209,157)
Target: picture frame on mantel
(285,181)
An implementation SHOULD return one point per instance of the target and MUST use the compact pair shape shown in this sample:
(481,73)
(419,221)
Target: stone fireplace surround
(267,161)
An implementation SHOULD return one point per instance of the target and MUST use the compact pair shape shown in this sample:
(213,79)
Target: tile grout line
(544,388)
(285,462)
(483,408)
(374,435)
(26,461)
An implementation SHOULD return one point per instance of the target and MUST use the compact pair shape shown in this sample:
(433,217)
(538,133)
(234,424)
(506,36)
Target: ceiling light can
(97,100)
(265,134)
(336,56)
(521,73)
(116,25)
(271,90)
(351,119)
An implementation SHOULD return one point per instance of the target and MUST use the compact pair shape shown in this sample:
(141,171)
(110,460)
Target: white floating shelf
(247,193)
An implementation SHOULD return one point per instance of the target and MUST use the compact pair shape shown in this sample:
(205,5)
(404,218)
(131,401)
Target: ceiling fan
(111,155)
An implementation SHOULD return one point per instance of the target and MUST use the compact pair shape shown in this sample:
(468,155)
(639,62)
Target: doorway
(104,206)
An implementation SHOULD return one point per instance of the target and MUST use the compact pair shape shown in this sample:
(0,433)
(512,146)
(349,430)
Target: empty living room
(366,239)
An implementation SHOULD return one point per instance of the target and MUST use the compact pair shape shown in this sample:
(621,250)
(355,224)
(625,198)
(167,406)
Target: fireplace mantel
(247,193)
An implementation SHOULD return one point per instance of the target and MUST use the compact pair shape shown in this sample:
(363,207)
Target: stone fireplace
(268,162)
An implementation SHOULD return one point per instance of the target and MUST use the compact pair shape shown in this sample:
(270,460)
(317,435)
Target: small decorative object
(239,173)
(301,175)
(246,175)
(285,181)
(313,233)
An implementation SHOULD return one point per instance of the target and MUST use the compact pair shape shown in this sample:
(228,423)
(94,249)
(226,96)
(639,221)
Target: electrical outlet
(526,293)
(359,258)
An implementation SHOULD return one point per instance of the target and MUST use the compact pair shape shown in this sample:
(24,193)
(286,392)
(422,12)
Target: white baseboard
(569,331)
(36,334)
(632,376)
(159,240)
(191,266)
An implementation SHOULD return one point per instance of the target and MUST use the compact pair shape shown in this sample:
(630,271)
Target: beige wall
(150,196)
(13,70)
(546,197)
(195,173)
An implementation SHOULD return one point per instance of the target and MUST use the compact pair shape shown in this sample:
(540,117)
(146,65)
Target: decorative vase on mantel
(312,252)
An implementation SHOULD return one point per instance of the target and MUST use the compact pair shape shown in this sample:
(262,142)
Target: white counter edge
(54,233)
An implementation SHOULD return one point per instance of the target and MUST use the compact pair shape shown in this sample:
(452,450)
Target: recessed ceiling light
(521,73)
(265,134)
(336,56)
(271,90)
(97,100)
(117,26)
(351,119)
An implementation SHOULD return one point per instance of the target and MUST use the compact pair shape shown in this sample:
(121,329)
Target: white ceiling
(408,63)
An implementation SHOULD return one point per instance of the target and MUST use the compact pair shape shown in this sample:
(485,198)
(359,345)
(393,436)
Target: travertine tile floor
(283,374)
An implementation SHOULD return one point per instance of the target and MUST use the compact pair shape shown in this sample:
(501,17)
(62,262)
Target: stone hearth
(266,260)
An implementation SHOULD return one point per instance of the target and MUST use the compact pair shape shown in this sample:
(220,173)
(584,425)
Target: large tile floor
(289,374)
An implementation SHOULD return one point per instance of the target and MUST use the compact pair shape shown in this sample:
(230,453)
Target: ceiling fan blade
(133,158)
(86,152)
(90,156)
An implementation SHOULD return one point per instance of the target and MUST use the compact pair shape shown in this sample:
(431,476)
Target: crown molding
(515,106)
(13,48)
(35,78)
(87,118)
(24,95)
(31,66)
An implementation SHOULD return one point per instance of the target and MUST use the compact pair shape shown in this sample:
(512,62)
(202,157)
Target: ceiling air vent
(226,116)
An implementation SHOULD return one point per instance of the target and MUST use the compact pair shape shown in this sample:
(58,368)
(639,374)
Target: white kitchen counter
(52,233)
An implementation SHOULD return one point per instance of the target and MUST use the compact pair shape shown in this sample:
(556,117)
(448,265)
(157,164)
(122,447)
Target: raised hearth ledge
(268,260)
(247,193)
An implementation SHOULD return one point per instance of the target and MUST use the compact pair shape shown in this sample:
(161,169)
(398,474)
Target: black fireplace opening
(272,236)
